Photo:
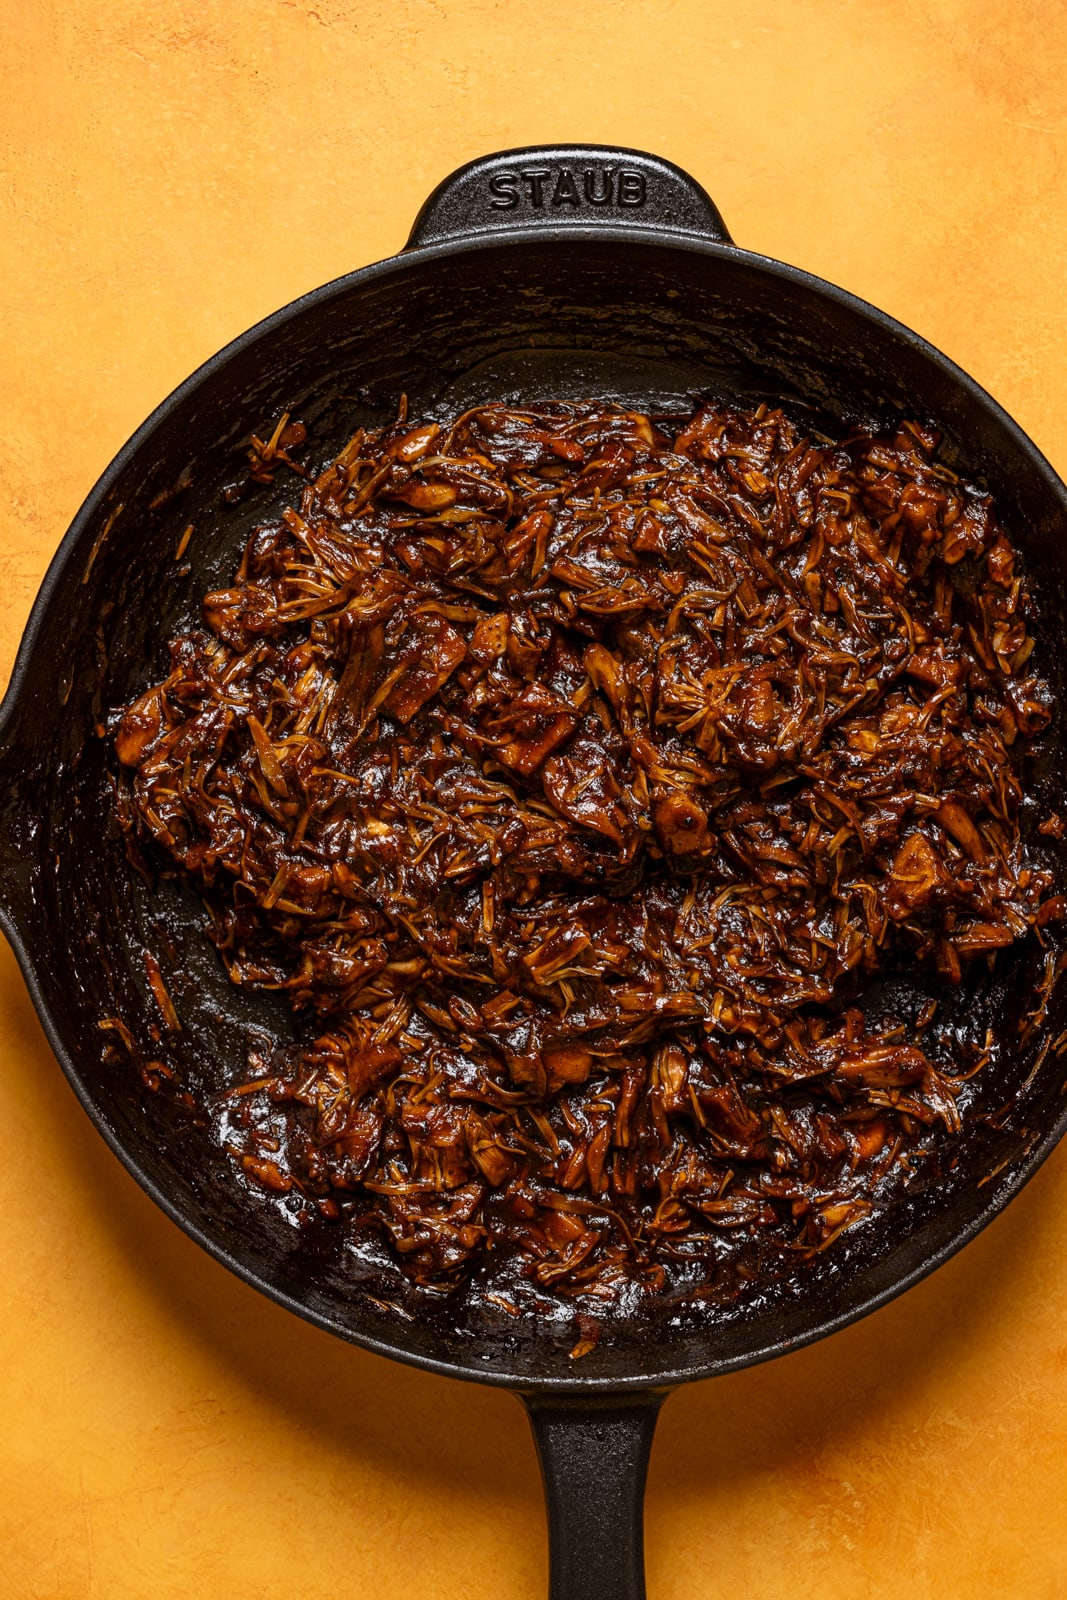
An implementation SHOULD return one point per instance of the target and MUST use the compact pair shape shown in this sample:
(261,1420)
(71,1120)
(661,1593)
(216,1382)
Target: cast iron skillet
(577,271)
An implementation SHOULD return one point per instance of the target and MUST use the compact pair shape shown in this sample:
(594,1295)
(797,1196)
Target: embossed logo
(566,188)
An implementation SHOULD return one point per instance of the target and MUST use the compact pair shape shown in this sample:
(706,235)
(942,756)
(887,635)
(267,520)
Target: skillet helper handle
(594,1461)
(548,187)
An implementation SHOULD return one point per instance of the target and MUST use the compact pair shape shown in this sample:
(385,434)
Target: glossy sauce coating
(574,775)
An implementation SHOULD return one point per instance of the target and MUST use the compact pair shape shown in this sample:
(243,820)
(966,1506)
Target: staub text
(560,187)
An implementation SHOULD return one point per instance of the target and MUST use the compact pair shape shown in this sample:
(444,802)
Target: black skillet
(574,272)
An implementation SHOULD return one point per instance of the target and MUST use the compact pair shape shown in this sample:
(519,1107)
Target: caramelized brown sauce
(574,775)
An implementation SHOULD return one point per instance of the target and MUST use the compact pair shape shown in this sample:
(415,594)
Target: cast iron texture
(605,273)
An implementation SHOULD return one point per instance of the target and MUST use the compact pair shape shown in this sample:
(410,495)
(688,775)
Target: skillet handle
(594,1460)
(546,187)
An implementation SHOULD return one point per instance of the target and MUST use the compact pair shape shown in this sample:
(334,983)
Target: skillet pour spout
(559,272)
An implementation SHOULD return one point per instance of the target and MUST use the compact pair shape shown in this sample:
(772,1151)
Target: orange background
(172,172)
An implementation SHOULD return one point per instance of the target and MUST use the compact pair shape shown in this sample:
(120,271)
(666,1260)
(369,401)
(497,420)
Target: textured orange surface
(170,173)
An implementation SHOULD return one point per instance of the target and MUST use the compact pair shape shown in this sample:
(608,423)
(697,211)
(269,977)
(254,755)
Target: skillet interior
(631,319)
